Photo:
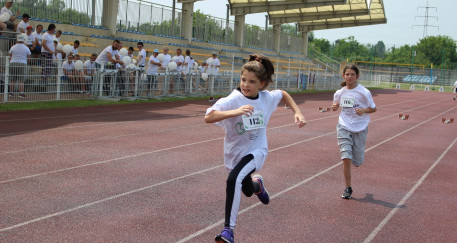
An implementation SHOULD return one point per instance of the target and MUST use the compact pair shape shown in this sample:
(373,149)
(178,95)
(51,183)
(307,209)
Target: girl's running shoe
(225,236)
(262,194)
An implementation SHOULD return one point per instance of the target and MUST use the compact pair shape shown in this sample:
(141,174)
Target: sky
(401,15)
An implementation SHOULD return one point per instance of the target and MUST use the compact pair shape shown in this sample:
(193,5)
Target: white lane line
(410,192)
(303,182)
(125,122)
(105,199)
(181,146)
(164,182)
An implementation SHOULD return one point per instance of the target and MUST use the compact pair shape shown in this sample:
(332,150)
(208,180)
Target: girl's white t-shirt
(358,97)
(152,68)
(240,142)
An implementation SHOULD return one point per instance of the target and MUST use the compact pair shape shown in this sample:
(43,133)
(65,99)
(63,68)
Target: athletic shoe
(225,236)
(10,95)
(262,194)
(23,96)
(347,194)
(453,98)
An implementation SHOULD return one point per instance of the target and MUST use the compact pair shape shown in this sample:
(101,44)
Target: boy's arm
(216,116)
(289,101)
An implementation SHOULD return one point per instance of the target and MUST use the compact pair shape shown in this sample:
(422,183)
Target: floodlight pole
(227,23)
(173,18)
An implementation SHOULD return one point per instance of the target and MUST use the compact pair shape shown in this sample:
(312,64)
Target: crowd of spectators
(35,47)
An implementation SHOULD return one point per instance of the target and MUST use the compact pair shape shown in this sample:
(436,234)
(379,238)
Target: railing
(45,80)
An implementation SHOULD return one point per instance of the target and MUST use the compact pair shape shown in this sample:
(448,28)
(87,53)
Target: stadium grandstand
(96,24)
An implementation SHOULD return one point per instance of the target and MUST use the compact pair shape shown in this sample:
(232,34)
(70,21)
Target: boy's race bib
(254,121)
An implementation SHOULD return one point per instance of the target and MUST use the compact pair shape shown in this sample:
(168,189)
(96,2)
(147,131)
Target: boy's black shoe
(347,194)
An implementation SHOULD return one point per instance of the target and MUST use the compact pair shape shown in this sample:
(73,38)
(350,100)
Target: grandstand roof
(376,16)
(349,9)
(314,14)
(241,7)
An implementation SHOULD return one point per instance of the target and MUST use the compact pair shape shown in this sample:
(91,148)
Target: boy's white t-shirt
(361,98)
(177,59)
(103,57)
(455,86)
(238,141)
(19,53)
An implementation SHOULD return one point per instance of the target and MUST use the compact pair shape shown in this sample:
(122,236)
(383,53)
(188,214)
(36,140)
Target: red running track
(154,173)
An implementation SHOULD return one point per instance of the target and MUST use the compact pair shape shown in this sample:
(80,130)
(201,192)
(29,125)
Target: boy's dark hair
(77,42)
(140,44)
(352,66)
(262,67)
(51,27)
(187,52)
(131,48)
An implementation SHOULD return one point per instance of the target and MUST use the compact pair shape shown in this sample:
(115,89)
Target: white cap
(20,38)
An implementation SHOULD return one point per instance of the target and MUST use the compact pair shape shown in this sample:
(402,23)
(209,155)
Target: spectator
(188,63)
(89,71)
(202,70)
(76,44)
(47,52)
(18,68)
(22,26)
(10,23)
(141,59)
(166,59)
(30,37)
(58,55)
(79,77)
(58,35)
(110,54)
(213,65)
(68,68)
(151,71)
(38,37)
(179,60)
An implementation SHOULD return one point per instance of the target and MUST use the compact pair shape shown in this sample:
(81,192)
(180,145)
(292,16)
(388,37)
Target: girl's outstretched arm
(289,101)
(216,116)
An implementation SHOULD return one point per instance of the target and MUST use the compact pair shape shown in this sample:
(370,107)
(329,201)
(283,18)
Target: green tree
(436,50)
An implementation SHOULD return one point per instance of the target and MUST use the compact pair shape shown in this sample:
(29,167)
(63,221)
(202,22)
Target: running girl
(244,116)
(356,102)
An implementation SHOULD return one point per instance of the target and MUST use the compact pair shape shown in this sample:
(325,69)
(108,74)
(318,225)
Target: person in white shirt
(166,59)
(68,68)
(141,58)
(76,44)
(455,89)
(178,59)
(10,23)
(202,70)
(37,44)
(188,63)
(47,51)
(110,54)
(30,37)
(22,26)
(151,71)
(19,54)
(244,116)
(89,71)
(357,104)
(213,65)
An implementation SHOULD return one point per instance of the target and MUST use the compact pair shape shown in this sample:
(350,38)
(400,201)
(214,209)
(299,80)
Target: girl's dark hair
(187,52)
(352,66)
(261,66)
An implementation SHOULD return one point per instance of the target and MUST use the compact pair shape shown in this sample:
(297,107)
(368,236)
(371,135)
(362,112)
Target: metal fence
(47,80)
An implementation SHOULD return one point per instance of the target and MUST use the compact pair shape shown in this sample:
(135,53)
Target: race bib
(347,101)
(254,121)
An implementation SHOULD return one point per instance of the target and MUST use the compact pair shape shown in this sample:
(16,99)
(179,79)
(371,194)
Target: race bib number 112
(254,121)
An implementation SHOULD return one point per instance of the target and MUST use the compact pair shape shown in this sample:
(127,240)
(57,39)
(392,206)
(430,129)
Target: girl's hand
(359,111)
(301,119)
(335,106)
(245,110)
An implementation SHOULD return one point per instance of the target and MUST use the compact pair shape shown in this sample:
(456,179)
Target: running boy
(356,102)
(244,116)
